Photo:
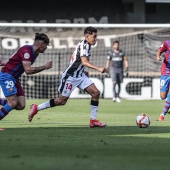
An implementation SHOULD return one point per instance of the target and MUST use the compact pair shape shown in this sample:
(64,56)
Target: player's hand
(49,65)
(126,73)
(159,58)
(107,70)
(103,70)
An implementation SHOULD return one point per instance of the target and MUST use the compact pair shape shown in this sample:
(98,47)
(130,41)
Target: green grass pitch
(60,138)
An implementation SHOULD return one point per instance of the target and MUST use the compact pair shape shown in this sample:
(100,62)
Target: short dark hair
(90,30)
(116,42)
(42,37)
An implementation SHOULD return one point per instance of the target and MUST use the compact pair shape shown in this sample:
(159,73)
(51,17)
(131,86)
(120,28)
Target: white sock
(162,114)
(94,111)
(44,105)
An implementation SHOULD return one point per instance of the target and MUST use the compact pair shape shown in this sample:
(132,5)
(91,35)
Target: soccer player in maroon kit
(165,76)
(19,63)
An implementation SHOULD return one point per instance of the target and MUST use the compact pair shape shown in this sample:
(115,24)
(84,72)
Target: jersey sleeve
(84,50)
(163,47)
(25,54)
(109,55)
(124,55)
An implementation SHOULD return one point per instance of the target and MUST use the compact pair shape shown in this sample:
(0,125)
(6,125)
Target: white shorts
(68,84)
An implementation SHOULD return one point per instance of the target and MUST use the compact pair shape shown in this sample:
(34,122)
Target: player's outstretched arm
(32,70)
(107,65)
(86,63)
(158,56)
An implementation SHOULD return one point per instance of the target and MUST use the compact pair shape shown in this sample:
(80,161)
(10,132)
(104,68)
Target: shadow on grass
(78,129)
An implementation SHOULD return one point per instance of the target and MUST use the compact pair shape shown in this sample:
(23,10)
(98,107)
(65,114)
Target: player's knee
(96,94)
(13,104)
(163,97)
(62,102)
(20,107)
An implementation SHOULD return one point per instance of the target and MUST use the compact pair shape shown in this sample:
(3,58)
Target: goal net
(140,44)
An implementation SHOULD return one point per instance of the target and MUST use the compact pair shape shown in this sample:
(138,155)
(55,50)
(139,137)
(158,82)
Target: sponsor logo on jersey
(11,90)
(26,56)
(117,59)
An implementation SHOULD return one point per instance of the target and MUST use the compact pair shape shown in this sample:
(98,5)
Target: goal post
(139,41)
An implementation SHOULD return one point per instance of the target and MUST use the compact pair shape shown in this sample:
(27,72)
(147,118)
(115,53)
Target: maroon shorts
(20,91)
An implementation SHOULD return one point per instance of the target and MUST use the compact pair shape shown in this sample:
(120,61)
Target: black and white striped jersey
(75,68)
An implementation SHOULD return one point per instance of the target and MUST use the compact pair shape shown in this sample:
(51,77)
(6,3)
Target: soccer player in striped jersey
(76,76)
(19,63)
(165,76)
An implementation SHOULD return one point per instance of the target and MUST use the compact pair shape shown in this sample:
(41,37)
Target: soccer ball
(143,120)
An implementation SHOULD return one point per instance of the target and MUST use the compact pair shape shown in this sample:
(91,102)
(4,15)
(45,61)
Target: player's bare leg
(20,103)
(12,101)
(48,104)
(95,93)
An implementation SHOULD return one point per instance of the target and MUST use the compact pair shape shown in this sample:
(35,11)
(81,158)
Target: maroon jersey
(14,66)
(165,47)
